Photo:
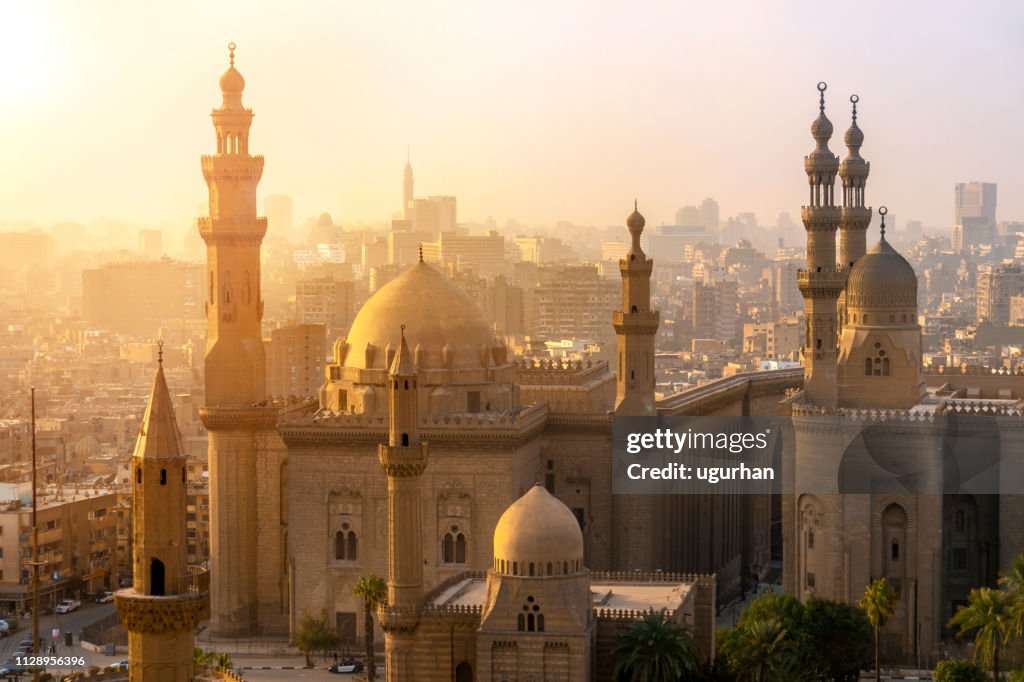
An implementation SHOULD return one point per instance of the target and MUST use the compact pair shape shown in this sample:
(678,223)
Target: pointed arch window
(453,546)
(346,544)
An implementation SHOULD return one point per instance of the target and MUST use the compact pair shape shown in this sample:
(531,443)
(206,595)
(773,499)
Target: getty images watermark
(855,453)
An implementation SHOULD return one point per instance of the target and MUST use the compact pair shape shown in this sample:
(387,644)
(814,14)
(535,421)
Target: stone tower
(236,381)
(855,216)
(822,281)
(168,598)
(407,195)
(403,459)
(635,326)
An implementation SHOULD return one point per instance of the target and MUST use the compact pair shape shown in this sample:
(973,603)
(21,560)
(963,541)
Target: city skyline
(541,115)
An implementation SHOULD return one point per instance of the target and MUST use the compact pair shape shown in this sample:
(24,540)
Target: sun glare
(28,49)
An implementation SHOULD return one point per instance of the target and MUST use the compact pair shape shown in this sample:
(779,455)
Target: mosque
(481,485)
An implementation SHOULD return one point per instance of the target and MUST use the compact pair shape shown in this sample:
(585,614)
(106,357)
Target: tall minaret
(168,598)
(235,362)
(856,216)
(407,188)
(635,326)
(403,459)
(822,281)
(235,371)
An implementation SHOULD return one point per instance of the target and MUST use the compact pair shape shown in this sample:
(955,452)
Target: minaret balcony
(640,322)
(232,166)
(222,231)
(400,462)
(827,282)
(398,618)
(821,217)
(167,613)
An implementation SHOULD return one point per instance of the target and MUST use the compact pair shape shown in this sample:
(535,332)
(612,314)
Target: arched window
(565,568)
(549,568)
(515,568)
(531,570)
(346,545)
(633,310)
(156,578)
(531,622)
(163,477)
(352,546)
(339,546)
(885,367)
(540,622)
(138,475)
(448,549)
(405,440)
(460,548)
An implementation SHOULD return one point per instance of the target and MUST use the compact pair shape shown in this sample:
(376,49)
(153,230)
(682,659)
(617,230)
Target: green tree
(879,602)
(762,651)
(315,634)
(957,670)
(655,649)
(988,620)
(835,640)
(373,592)
(1012,580)
(222,661)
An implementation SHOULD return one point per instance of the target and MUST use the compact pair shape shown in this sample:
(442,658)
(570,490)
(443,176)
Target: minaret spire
(821,282)
(635,326)
(855,215)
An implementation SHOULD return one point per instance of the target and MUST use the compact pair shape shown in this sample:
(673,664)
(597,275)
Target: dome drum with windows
(538,536)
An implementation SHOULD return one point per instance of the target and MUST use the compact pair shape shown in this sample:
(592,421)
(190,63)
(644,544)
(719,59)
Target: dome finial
(882,210)
(822,87)
(854,99)
(231,53)
(160,352)
(403,330)
(635,205)
(421,252)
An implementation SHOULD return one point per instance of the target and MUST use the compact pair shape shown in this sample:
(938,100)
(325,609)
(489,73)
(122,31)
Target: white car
(68,605)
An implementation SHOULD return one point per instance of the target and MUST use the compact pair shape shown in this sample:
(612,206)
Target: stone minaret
(635,326)
(403,459)
(168,598)
(822,281)
(855,215)
(235,362)
(407,189)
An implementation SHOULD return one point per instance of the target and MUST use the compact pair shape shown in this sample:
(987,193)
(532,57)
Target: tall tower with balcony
(247,539)
(168,598)
(404,459)
(823,279)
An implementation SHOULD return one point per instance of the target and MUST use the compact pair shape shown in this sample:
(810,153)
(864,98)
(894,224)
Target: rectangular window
(580,517)
(959,559)
(473,401)
(810,580)
(810,539)
(549,482)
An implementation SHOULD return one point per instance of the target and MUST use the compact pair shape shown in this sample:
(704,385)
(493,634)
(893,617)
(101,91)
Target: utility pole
(35,547)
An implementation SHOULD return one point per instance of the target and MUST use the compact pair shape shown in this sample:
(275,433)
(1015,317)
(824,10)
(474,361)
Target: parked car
(68,605)
(346,667)
(104,597)
(120,665)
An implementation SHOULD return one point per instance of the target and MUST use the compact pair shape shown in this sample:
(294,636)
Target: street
(69,622)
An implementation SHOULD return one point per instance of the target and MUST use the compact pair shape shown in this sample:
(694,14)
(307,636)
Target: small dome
(87,447)
(882,280)
(635,221)
(821,129)
(232,82)
(535,532)
(325,220)
(854,137)
(436,313)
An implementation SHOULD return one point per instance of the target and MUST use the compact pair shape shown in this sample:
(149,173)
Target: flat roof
(634,596)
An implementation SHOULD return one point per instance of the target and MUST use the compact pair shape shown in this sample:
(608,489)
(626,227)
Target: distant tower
(407,195)
(635,325)
(822,281)
(236,378)
(403,459)
(855,215)
(167,599)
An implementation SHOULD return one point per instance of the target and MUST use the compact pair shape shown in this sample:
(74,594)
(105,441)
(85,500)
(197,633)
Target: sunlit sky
(538,111)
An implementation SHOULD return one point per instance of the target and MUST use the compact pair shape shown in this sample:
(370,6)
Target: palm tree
(879,602)
(988,618)
(762,652)
(222,661)
(373,592)
(654,649)
(1012,580)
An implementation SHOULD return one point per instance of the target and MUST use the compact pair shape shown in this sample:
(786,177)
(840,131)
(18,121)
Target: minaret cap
(232,82)
(403,364)
(854,137)
(635,222)
(821,129)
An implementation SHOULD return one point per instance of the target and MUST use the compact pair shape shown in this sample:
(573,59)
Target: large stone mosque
(480,486)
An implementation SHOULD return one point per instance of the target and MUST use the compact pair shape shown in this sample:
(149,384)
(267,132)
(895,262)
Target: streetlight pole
(35,547)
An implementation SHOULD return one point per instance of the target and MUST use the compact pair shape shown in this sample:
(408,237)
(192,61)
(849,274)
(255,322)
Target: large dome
(882,280)
(538,535)
(436,314)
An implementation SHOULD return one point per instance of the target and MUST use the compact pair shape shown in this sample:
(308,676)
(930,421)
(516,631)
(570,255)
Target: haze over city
(539,112)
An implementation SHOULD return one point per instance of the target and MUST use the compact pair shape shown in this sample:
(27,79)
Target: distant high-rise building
(544,250)
(715,307)
(974,214)
(434,215)
(280,213)
(689,216)
(326,301)
(709,214)
(139,296)
(572,302)
(407,196)
(995,287)
(296,356)
(151,243)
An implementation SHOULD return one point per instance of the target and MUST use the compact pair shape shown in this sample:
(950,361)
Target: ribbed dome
(536,531)
(635,221)
(821,129)
(232,81)
(854,137)
(436,314)
(87,447)
(882,280)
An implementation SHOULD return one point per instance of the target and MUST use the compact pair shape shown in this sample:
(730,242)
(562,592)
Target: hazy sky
(540,111)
